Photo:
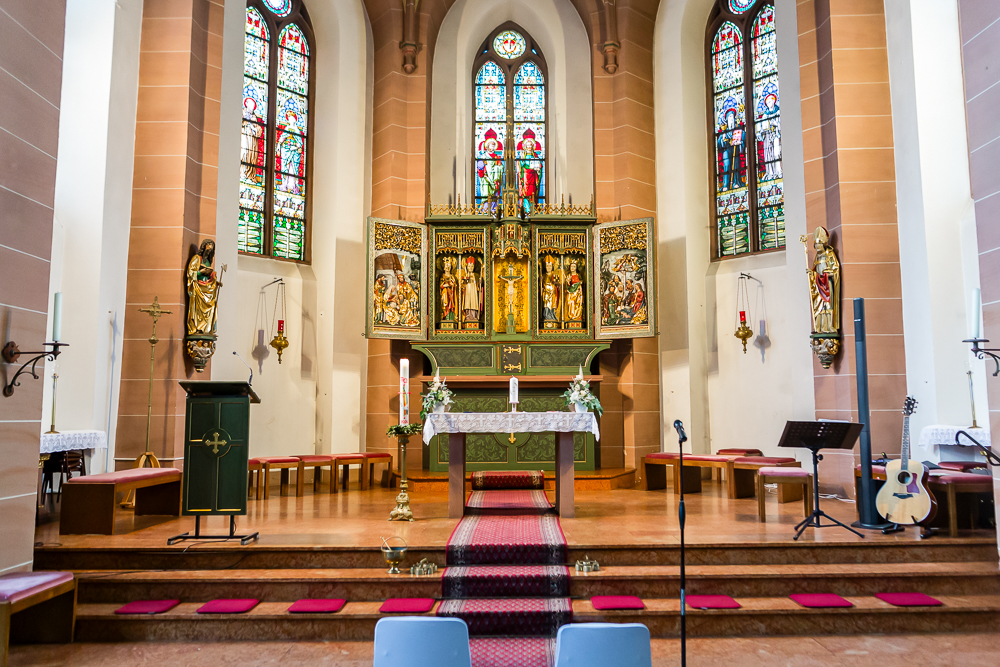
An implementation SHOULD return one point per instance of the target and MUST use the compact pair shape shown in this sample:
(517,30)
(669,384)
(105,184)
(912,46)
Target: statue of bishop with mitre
(824,293)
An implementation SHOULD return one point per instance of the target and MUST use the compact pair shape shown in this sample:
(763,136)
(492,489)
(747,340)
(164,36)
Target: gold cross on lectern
(216,443)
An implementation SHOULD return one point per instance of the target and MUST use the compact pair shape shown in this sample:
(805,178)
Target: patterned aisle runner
(507,577)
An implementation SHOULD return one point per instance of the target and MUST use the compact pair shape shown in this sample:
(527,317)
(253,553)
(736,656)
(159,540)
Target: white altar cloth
(510,422)
(68,441)
(458,424)
(937,443)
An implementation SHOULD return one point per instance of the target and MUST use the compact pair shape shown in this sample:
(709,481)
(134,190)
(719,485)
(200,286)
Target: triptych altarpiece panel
(474,278)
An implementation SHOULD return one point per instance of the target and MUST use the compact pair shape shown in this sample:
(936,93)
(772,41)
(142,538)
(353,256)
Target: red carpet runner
(506,577)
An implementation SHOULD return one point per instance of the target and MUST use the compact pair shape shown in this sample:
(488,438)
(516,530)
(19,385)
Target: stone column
(851,190)
(173,210)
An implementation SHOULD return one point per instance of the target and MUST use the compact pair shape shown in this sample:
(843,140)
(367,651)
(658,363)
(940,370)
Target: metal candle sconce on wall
(11,354)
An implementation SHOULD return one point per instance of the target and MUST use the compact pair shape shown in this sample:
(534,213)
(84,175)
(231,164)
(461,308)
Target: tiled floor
(856,651)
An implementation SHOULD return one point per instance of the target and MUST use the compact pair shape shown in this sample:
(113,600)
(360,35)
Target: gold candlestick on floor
(148,458)
(402,511)
(52,428)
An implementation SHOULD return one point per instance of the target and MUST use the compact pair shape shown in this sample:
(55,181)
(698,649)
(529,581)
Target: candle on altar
(579,374)
(437,375)
(281,326)
(56,317)
(743,317)
(977,299)
(404,391)
(513,394)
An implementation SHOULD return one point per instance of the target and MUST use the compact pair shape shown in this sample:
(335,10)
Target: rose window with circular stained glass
(279,7)
(509,44)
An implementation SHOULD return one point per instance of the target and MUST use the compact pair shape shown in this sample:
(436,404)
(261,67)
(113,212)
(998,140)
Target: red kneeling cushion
(228,606)
(407,605)
(148,607)
(317,606)
(711,602)
(909,599)
(820,600)
(617,602)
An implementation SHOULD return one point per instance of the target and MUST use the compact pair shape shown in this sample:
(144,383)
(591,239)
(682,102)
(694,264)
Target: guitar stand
(814,518)
(244,539)
(925,531)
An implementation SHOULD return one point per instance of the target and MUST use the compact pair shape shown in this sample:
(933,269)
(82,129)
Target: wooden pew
(89,502)
(36,608)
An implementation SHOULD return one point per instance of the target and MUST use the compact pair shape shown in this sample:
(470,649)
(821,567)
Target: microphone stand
(681,439)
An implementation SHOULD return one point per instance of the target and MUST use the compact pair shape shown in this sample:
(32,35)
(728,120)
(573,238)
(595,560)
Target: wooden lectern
(216,444)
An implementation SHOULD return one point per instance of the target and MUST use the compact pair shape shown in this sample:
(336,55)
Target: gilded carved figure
(203,287)
(551,290)
(824,285)
(471,297)
(406,301)
(448,287)
(824,296)
(574,293)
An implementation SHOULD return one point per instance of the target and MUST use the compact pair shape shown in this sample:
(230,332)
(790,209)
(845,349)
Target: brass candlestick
(402,511)
(52,428)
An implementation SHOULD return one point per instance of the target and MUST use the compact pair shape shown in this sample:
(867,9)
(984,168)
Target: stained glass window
(746,130)
(274,151)
(253,145)
(509,44)
(767,132)
(740,6)
(509,100)
(280,7)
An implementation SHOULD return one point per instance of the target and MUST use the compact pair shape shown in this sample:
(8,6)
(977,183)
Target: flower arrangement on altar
(437,398)
(579,395)
(397,430)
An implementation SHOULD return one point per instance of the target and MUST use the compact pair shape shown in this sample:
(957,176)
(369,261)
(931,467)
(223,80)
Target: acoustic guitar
(904,498)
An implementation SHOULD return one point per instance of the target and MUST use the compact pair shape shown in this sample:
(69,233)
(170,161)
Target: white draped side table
(458,424)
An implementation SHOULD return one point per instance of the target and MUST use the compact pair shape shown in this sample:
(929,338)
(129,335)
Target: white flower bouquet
(437,398)
(579,395)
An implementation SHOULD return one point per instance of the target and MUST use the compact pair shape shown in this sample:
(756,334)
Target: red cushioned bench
(317,462)
(654,470)
(742,476)
(346,461)
(36,608)
(947,485)
(284,464)
(88,505)
(375,458)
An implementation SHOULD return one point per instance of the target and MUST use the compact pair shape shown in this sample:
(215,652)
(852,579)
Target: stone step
(758,617)
(506,581)
(363,584)
(256,556)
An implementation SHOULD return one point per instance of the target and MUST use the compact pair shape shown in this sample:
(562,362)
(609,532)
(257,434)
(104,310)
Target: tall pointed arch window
(509,98)
(749,211)
(277,122)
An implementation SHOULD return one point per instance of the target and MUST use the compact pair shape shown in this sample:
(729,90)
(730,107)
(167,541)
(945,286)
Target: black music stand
(815,436)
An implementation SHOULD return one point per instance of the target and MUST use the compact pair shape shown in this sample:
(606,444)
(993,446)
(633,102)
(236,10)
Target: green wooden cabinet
(216,445)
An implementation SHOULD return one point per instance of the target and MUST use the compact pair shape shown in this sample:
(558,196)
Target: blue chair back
(421,641)
(603,644)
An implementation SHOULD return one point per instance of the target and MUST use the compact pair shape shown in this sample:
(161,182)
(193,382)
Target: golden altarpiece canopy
(510,288)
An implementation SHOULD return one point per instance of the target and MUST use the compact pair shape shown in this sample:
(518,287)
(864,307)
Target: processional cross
(155,311)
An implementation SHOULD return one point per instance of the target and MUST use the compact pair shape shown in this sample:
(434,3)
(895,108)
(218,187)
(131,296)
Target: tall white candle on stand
(404,391)
(977,307)
(57,317)
(513,394)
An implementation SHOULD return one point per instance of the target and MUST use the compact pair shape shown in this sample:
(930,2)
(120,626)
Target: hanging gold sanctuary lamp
(743,332)
(279,342)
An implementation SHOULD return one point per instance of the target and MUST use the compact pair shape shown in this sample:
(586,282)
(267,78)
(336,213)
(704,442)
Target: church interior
(499,333)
